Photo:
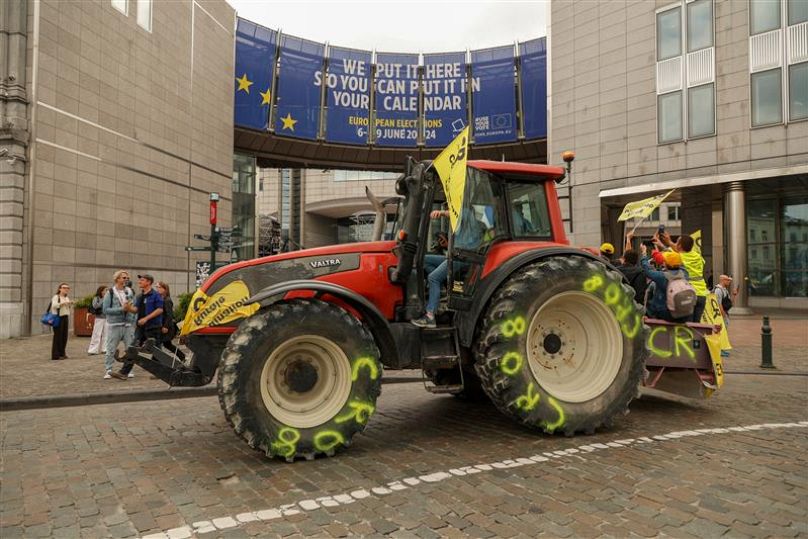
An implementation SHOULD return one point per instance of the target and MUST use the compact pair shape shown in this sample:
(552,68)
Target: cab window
(481,220)
(529,215)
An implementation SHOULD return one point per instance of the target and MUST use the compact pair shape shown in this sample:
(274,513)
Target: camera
(661,229)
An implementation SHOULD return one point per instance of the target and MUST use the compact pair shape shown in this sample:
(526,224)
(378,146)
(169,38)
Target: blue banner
(396,94)
(348,95)
(298,112)
(533,58)
(493,95)
(255,65)
(444,85)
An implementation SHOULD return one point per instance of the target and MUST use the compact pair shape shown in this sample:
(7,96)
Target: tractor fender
(376,322)
(467,320)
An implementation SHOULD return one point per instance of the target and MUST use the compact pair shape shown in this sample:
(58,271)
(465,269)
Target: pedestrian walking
(169,328)
(61,305)
(120,311)
(96,309)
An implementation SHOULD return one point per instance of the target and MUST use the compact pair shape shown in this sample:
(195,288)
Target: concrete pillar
(735,207)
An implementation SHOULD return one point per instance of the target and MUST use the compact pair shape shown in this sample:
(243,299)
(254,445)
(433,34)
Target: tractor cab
(507,208)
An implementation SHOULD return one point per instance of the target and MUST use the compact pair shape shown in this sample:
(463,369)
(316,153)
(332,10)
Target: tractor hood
(222,299)
(260,273)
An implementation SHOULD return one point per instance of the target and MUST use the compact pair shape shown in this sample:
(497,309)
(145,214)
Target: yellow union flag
(451,167)
(712,316)
(226,305)
(642,208)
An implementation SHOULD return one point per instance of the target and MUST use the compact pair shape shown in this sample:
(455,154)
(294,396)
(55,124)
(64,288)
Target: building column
(14,138)
(735,208)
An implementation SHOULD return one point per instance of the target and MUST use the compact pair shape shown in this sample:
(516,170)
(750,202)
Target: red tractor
(550,333)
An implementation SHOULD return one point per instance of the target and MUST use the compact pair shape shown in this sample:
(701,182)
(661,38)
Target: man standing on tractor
(469,235)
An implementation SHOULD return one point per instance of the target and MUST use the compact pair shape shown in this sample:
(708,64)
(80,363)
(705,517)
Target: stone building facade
(117,124)
(706,96)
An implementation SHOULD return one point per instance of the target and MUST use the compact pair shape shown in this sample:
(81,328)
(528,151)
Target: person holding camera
(120,311)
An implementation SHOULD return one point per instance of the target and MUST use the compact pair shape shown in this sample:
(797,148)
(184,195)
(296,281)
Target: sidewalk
(26,370)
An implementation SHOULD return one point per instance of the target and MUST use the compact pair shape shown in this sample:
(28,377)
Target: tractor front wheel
(299,378)
(562,346)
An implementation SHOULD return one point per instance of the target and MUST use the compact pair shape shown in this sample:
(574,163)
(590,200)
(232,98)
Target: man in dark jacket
(634,274)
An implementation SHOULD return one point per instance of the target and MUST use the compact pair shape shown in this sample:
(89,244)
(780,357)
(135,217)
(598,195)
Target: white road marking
(221,523)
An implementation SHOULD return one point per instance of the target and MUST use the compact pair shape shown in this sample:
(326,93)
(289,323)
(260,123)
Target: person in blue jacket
(658,304)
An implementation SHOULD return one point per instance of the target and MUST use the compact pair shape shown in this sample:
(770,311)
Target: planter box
(82,324)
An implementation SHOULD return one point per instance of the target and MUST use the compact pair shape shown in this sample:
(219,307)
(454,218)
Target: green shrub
(85,302)
(181,306)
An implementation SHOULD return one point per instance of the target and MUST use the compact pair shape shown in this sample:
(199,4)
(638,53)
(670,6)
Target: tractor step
(439,362)
(450,389)
(440,352)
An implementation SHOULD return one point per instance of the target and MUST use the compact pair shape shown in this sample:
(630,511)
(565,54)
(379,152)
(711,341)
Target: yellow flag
(714,347)
(451,167)
(642,208)
(226,305)
(712,316)
(696,241)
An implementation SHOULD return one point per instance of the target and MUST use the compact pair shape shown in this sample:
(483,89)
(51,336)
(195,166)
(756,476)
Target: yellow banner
(712,316)
(642,208)
(451,167)
(714,346)
(226,305)
(696,241)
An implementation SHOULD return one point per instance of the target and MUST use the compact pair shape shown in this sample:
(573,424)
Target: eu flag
(256,50)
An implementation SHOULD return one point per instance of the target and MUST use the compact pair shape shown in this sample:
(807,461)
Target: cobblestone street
(175,469)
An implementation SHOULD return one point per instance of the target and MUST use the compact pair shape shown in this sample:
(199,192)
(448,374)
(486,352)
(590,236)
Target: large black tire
(299,378)
(561,347)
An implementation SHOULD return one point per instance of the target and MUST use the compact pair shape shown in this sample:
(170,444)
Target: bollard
(766,345)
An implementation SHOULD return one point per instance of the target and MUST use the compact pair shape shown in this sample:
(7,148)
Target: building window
(673,213)
(681,115)
(798,90)
(144,14)
(767,107)
(699,25)
(778,61)
(765,15)
(654,215)
(121,5)
(669,34)
(701,111)
(670,117)
(797,11)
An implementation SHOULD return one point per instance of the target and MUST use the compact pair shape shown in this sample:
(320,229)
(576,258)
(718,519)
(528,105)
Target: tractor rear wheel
(299,378)
(562,346)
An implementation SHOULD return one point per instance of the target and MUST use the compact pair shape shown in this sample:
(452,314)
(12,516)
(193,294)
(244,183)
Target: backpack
(726,301)
(92,310)
(681,296)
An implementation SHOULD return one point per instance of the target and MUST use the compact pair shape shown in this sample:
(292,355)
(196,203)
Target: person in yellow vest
(694,264)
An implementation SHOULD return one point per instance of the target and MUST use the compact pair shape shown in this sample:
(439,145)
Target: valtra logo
(326,263)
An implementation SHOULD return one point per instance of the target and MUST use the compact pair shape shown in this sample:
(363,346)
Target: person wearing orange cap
(658,304)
